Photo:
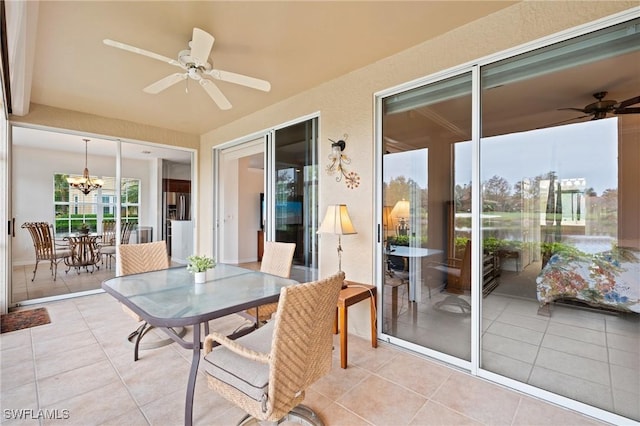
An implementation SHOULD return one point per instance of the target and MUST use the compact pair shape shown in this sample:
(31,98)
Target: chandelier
(85,184)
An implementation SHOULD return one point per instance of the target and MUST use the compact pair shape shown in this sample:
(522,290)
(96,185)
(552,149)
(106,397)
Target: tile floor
(82,366)
(587,355)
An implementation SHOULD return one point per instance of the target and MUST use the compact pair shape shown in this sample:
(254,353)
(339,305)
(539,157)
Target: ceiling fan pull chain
(186,88)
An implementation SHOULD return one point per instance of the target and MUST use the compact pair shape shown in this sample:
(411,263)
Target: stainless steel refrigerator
(177,206)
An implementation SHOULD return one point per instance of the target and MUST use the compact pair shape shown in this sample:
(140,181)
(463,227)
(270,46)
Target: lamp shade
(337,221)
(401,209)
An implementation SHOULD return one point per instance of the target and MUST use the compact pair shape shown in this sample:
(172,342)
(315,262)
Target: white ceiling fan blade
(139,51)
(164,83)
(201,45)
(244,80)
(218,97)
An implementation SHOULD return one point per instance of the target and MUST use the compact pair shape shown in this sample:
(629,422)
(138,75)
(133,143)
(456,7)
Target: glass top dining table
(170,298)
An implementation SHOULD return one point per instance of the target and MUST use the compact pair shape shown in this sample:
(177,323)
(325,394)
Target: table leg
(342,313)
(374,326)
(191,385)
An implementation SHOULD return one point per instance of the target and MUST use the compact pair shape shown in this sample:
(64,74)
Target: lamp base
(344,283)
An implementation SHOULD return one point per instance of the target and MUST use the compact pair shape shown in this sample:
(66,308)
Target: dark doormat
(18,320)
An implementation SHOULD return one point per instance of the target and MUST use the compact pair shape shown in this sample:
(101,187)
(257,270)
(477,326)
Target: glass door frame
(474,367)
(269,179)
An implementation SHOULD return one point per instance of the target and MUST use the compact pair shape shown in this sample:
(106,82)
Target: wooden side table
(352,294)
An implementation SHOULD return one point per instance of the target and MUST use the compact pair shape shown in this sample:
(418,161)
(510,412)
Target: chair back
(108,232)
(301,351)
(43,241)
(138,258)
(125,231)
(277,258)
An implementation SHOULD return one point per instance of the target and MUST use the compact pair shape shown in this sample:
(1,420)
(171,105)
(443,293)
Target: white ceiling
(294,45)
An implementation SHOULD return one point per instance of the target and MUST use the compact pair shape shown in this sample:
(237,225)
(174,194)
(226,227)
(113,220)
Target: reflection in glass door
(426,198)
(559,188)
(295,190)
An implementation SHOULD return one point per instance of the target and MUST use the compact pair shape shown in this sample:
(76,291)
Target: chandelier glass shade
(84,183)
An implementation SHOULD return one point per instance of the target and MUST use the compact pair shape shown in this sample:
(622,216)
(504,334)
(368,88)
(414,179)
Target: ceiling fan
(602,107)
(194,62)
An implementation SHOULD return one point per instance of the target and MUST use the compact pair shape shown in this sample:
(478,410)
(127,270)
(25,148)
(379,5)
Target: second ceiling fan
(196,66)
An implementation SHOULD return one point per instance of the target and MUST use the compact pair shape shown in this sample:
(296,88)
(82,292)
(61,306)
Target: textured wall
(346,106)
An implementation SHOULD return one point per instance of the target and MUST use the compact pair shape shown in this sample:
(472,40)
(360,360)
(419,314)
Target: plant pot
(200,277)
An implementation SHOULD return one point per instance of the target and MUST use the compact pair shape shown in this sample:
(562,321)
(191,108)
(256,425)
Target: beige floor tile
(132,417)
(508,367)
(55,363)
(99,405)
(516,333)
(336,414)
(421,376)
(532,412)
(11,376)
(524,321)
(627,403)
(361,354)
(15,339)
(339,381)
(19,397)
(573,365)
(479,400)
(149,378)
(88,352)
(577,333)
(377,400)
(510,348)
(624,358)
(434,414)
(624,343)
(587,350)
(572,387)
(625,379)
(69,384)
(56,345)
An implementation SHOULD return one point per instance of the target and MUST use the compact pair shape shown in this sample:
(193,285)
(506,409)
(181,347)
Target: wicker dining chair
(136,259)
(276,260)
(46,247)
(267,371)
(109,250)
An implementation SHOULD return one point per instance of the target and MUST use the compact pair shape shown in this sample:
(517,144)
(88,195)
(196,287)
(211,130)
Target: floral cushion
(607,279)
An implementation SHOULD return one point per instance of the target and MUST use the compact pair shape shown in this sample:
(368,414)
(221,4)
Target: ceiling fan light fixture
(195,65)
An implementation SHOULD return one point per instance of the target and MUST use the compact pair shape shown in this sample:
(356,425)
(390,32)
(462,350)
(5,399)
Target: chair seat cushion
(250,377)
(108,250)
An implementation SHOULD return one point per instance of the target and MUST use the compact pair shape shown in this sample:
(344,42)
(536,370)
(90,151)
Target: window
(72,207)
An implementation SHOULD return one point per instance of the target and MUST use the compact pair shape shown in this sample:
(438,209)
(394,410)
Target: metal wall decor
(337,161)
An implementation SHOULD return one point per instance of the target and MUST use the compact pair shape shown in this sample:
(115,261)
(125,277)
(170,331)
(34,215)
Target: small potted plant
(84,228)
(198,265)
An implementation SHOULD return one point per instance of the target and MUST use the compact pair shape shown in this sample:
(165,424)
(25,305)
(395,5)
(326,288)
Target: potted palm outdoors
(198,265)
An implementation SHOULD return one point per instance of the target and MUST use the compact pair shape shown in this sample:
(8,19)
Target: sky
(586,150)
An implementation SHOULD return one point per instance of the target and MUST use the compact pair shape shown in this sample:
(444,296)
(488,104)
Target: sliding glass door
(131,176)
(295,189)
(268,183)
(559,182)
(426,198)
(508,206)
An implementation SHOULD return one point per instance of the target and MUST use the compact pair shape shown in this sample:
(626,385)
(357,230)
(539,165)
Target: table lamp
(337,222)
(401,211)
